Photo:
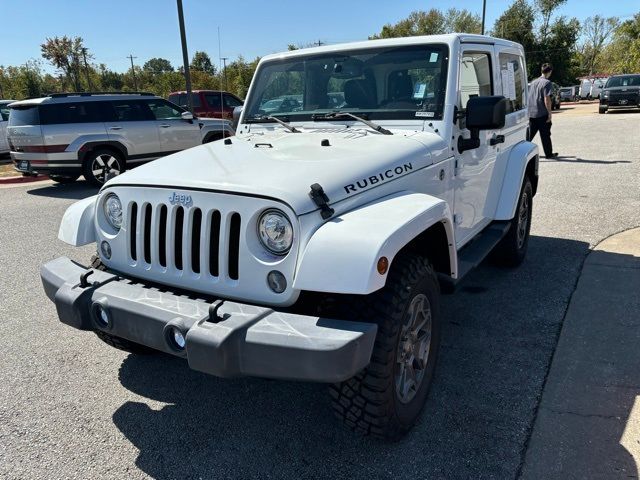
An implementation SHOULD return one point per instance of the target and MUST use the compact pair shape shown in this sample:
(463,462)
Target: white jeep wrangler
(314,244)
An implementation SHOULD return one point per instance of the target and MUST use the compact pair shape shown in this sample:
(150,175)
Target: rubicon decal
(378,178)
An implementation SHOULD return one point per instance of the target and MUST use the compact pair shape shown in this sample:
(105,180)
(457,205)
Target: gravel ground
(71,407)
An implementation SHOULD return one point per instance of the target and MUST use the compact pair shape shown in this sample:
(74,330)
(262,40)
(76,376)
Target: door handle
(165,125)
(496,139)
(115,128)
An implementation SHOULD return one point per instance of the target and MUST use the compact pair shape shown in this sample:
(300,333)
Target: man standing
(539,102)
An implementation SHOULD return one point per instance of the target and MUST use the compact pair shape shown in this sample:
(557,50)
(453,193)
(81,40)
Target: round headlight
(113,210)
(275,232)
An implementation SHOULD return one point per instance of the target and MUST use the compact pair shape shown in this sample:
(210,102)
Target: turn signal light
(383,265)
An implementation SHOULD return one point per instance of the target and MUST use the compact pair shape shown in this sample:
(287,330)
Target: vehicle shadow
(574,159)
(500,331)
(77,190)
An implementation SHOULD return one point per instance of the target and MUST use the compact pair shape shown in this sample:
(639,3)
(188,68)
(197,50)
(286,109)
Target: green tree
(157,65)
(622,54)
(201,62)
(65,53)
(516,23)
(462,21)
(432,22)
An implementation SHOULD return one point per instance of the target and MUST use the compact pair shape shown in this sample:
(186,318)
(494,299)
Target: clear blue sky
(112,29)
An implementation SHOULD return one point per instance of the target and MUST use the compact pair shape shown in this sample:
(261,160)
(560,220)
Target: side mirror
(486,113)
(236,117)
(186,116)
(482,113)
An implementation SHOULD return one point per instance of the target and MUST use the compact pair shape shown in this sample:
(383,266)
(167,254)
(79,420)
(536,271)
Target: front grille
(631,97)
(184,240)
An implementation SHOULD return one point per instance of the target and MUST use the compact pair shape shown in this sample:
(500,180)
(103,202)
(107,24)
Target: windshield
(406,82)
(630,81)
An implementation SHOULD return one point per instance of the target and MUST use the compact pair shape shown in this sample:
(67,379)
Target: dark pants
(540,125)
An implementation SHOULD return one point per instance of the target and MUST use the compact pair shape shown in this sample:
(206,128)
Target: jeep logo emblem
(180,199)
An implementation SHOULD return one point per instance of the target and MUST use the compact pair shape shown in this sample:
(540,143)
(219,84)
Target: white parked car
(584,91)
(597,86)
(4,120)
(314,244)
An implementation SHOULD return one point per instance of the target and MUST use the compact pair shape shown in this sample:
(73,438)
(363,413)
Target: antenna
(225,76)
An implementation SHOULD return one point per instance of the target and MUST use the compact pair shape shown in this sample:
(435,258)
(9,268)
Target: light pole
(185,56)
(133,72)
(484,10)
(224,71)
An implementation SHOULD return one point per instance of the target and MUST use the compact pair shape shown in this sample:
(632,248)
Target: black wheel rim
(414,345)
(523,220)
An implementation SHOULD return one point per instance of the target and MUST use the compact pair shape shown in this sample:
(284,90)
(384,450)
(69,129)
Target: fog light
(102,317)
(105,248)
(276,281)
(178,338)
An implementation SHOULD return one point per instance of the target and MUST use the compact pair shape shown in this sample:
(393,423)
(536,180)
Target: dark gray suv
(101,135)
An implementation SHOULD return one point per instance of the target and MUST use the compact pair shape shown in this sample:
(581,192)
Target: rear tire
(386,398)
(602,110)
(512,249)
(64,178)
(100,164)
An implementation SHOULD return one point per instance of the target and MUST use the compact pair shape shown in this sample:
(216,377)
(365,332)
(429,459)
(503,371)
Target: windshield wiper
(262,118)
(330,116)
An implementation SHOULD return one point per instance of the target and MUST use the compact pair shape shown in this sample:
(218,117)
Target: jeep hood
(283,165)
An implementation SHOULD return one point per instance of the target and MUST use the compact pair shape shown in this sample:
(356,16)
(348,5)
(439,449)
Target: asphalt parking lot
(71,407)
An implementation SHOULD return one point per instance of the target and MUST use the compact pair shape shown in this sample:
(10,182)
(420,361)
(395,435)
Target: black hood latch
(321,200)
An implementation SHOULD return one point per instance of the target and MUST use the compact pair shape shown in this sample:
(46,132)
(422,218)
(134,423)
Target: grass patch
(8,171)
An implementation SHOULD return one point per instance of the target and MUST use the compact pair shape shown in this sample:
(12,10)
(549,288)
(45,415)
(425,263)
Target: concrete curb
(588,422)
(20,179)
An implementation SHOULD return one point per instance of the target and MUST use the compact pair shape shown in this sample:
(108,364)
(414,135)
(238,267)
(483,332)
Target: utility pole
(133,71)
(185,56)
(224,72)
(319,43)
(484,10)
(86,68)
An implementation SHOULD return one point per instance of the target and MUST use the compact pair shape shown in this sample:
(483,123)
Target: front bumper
(225,339)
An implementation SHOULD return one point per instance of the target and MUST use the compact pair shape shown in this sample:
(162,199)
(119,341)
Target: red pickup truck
(208,103)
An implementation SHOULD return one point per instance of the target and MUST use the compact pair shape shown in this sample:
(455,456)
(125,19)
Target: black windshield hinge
(321,200)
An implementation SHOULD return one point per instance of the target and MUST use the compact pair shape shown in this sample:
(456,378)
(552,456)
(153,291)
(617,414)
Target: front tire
(386,398)
(99,165)
(602,110)
(512,249)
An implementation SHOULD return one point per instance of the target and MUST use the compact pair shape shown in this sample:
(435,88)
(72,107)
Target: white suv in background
(100,135)
(4,118)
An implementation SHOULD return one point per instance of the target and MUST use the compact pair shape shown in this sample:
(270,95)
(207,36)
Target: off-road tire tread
(365,402)
(506,253)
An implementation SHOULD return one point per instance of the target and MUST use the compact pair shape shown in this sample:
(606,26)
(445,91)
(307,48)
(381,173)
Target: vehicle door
(4,119)
(513,86)
(474,168)
(175,133)
(132,123)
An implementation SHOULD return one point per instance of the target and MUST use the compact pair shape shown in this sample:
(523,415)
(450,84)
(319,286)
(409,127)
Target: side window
(80,112)
(163,110)
(475,76)
(131,111)
(513,81)
(4,113)
(213,100)
(231,102)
